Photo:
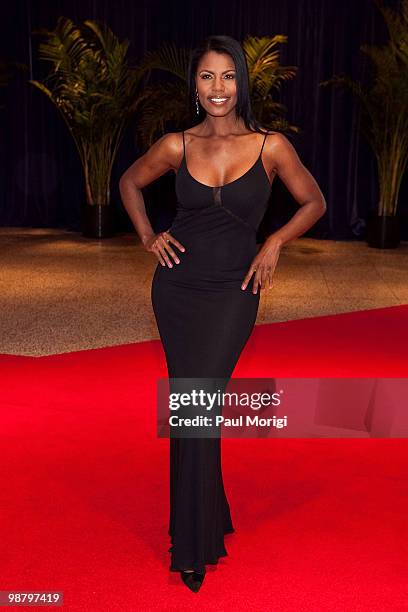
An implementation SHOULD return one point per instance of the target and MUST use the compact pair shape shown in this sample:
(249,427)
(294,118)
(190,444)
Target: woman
(204,309)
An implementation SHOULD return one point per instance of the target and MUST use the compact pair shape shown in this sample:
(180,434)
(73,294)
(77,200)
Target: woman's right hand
(159,244)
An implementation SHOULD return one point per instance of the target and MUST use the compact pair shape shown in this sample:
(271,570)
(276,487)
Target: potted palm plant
(384,106)
(94,88)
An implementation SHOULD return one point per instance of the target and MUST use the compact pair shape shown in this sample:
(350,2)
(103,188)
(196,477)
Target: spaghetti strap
(184,145)
(263,144)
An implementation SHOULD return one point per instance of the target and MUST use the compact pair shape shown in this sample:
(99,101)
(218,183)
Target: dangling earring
(198,108)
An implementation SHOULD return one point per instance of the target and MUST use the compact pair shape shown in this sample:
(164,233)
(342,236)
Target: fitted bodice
(246,197)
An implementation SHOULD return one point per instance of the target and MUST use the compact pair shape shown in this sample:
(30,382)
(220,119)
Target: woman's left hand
(263,265)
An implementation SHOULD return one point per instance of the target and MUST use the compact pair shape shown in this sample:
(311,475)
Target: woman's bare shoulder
(278,149)
(271,132)
(163,155)
(168,147)
(172,142)
(279,143)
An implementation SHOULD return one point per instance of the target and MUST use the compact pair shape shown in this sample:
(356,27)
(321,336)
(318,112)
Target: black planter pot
(98,221)
(383,231)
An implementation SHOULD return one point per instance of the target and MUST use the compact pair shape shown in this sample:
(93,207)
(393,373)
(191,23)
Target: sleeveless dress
(204,320)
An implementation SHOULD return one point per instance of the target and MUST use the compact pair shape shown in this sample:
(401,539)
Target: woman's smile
(218,101)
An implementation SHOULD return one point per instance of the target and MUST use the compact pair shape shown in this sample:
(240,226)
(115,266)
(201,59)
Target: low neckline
(230,182)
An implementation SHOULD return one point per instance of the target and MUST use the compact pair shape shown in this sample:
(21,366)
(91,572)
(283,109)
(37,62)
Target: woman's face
(216,78)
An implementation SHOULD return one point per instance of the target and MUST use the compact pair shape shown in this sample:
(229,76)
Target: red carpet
(320,524)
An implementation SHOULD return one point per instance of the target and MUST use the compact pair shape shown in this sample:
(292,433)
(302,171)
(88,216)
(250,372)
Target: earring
(198,108)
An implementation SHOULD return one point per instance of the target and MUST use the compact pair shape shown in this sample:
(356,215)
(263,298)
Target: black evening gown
(204,320)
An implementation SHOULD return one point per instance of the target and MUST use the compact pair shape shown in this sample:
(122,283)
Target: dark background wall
(41,176)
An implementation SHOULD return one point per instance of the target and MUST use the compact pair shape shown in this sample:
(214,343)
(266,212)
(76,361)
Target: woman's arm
(301,184)
(158,160)
(162,156)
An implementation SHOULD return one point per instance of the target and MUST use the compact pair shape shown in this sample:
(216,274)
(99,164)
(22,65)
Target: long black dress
(204,320)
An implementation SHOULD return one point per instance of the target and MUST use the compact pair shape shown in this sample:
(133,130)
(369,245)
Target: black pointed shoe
(193,580)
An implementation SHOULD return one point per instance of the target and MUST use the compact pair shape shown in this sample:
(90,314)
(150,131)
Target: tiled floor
(61,292)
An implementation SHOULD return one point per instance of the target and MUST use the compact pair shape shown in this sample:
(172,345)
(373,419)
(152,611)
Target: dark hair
(224,44)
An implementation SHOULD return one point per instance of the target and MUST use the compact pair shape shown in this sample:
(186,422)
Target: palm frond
(152,119)
(94,88)
(168,58)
